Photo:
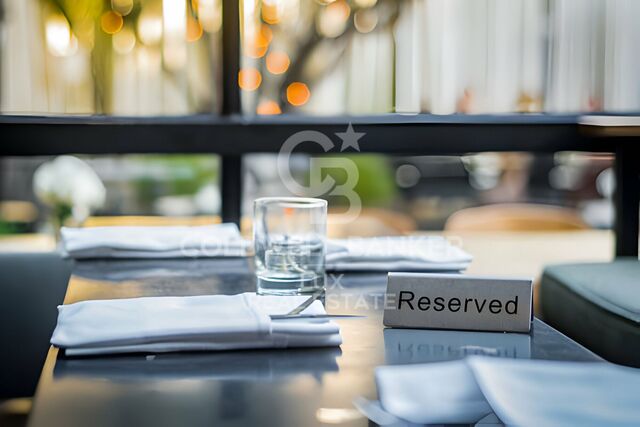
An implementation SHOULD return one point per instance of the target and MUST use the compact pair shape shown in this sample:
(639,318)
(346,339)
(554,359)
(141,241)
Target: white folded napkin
(154,242)
(520,392)
(210,322)
(397,253)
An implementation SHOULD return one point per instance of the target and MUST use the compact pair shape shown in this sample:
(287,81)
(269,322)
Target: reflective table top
(293,387)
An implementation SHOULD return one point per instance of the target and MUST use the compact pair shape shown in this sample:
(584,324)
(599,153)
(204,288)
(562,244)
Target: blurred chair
(32,286)
(515,217)
(371,222)
(598,305)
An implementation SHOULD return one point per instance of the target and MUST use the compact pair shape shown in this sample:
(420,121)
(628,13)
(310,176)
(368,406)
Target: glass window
(439,56)
(118,57)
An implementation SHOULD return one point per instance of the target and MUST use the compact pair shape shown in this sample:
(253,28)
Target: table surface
(294,387)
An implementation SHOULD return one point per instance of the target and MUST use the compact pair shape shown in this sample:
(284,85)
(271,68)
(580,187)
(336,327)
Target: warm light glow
(277,62)
(365,3)
(174,26)
(271,12)
(209,14)
(268,108)
(265,34)
(124,41)
(194,30)
(298,94)
(365,20)
(123,7)
(249,79)
(148,60)
(278,11)
(337,415)
(332,20)
(111,22)
(174,17)
(249,7)
(149,27)
(60,39)
(257,44)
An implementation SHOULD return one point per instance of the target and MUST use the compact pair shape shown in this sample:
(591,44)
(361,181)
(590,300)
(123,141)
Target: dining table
(276,387)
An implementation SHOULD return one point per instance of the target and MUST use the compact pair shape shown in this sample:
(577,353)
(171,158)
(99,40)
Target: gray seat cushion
(32,285)
(598,305)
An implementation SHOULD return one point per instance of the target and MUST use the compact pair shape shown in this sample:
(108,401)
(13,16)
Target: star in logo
(350,138)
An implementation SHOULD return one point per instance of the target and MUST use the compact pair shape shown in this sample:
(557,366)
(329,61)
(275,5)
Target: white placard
(455,301)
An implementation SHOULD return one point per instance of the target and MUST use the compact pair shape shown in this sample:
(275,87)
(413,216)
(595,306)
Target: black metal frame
(232,135)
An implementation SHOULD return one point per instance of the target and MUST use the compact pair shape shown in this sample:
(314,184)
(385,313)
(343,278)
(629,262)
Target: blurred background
(327,57)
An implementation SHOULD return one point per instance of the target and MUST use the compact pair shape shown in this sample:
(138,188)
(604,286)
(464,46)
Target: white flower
(69,181)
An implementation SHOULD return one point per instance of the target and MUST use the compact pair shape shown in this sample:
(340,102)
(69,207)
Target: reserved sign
(455,301)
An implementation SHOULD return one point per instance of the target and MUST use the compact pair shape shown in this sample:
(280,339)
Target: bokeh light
(111,22)
(365,20)
(257,43)
(209,14)
(194,29)
(271,12)
(124,41)
(123,7)
(60,39)
(268,108)
(278,62)
(298,94)
(249,79)
(365,3)
(150,27)
(332,20)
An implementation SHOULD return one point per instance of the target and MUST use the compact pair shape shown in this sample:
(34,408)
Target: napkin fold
(396,253)
(519,392)
(221,240)
(210,322)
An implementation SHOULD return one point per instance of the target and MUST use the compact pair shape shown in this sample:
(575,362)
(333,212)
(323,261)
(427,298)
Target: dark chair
(32,285)
(597,305)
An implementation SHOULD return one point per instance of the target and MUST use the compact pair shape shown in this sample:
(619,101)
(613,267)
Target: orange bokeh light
(111,22)
(270,13)
(249,79)
(278,62)
(194,29)
(268,108)
(256,46)
(298,94)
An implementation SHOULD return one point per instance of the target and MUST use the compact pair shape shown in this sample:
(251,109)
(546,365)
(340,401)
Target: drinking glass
(289,234)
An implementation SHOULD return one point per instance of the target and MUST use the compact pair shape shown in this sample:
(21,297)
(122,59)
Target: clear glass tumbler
(289,234)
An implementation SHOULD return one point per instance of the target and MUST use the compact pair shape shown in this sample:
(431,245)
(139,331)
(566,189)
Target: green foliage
(376,183)
(185,174)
